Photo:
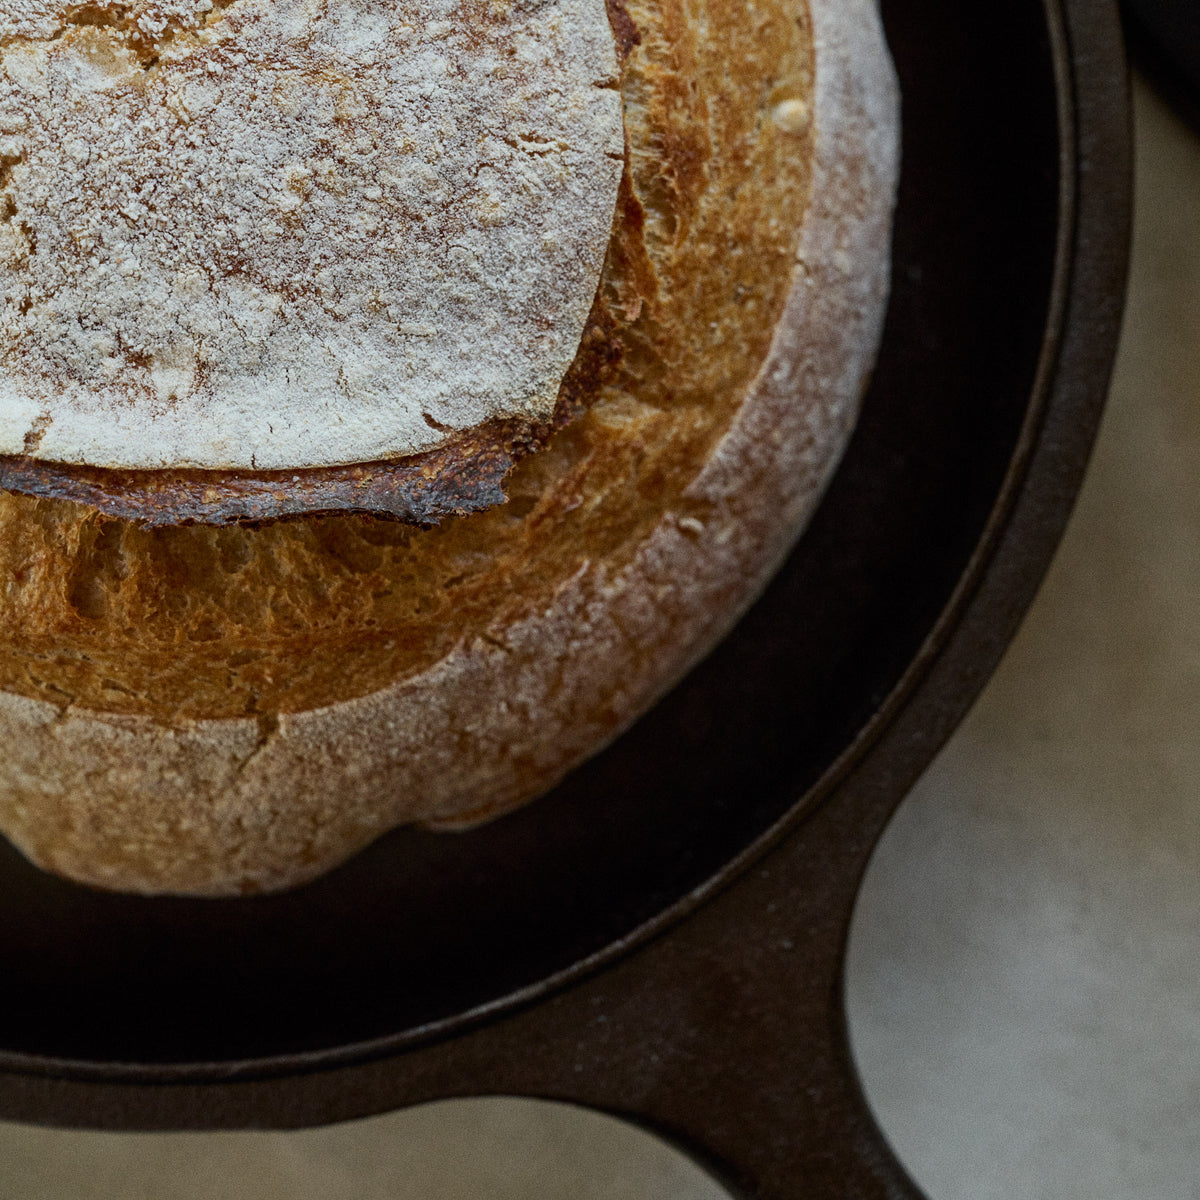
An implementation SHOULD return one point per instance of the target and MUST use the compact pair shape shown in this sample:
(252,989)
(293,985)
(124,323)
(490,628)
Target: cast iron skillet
(544,954)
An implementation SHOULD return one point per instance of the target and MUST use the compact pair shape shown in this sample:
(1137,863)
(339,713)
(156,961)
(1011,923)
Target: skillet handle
(727,1034)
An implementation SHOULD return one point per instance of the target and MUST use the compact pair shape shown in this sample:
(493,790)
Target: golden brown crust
(214,710)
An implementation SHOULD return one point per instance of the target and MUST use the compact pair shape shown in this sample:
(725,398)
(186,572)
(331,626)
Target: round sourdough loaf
(219,709)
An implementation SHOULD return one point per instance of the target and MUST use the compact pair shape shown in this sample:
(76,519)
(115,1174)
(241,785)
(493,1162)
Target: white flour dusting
(285,233)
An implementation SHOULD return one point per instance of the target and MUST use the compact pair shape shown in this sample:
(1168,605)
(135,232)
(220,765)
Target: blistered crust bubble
(273,234)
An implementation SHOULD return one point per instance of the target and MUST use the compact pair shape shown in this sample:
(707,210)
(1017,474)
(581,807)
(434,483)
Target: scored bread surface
(222,711)
(280,234)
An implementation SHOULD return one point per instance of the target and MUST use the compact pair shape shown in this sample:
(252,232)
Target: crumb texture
(287,233)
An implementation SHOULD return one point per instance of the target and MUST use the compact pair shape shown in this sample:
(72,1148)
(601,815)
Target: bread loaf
(675,341)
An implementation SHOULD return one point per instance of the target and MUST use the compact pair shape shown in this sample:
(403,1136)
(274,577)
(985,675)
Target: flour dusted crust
(221,711)
(280,234)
